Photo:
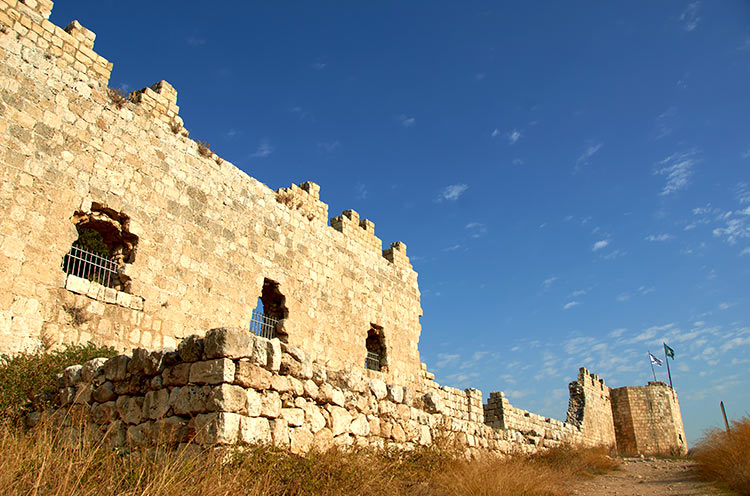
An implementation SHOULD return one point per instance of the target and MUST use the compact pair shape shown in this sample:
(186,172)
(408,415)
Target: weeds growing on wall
(54,459)
(117,97)
(204,149)
(25,375)
(725,457)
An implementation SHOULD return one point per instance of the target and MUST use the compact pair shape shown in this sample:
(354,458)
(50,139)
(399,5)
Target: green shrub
(25,375)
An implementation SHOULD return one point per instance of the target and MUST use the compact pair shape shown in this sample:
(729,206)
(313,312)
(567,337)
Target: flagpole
(652,365)
(666,359)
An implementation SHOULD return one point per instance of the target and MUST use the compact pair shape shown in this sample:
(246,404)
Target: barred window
(271,309)
(375,348)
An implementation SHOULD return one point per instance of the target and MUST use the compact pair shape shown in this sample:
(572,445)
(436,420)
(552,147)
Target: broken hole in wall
(103,247)
(375,345)
(270,312)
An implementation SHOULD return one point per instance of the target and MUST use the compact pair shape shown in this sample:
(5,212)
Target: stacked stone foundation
(231,387)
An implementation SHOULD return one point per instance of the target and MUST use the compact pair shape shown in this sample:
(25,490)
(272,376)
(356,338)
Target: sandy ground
(648,477)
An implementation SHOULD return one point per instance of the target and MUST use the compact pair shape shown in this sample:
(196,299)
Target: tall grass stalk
(55,460)
(725,457)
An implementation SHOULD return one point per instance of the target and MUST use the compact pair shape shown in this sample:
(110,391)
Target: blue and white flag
(654,360)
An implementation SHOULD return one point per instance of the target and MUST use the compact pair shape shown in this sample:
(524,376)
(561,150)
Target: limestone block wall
(648,421)
(590,409)
(204,235)
(231,387)
(501,414)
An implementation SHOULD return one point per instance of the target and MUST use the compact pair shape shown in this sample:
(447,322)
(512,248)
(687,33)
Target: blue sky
(572,179)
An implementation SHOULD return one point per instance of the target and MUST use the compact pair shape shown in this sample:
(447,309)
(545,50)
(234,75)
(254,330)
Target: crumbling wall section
(648,421)
(590,409)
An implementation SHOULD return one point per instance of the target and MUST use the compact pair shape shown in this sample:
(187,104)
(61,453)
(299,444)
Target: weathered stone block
(255,430)
(91,368)
(396,394)
(228,398)
(190,399)
(190,348)
(116,368)
(104,393)
(104,413)
(270,404)
(212,371)
(156,404)
(377,387)
(301,440)
(229,342)
(295,417)
(130,409)
(178,375)
(251,375)
(340,420)
(216,428)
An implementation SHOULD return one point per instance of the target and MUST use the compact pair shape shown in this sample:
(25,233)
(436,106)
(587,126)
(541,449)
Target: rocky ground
(648,477)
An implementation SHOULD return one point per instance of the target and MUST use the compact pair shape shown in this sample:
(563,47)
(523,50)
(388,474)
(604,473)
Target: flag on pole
(654,360)
(668,351)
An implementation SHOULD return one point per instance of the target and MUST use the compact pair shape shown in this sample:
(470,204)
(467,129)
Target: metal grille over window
(372,361)
(263,325)
(83,263)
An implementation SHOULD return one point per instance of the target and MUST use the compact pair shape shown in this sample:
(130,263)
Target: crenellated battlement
(160,101)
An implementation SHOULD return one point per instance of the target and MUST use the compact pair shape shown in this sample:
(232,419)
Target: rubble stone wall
(207,234)
(232,387)
(648,421)
(590,409)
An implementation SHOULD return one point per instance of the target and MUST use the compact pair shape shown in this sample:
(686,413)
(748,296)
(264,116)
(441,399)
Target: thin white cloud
(547,283)
(407,121)
(361,191)
(678,168)
(623,297)
(578,292)
(264,149)
(589,152)
(745,251)
(517,162)
(476,229)
(319,66)
(600,245)
(659,237)
(514,136)
(614,254)
(689,17)
(452,248)
(453,192)
(495,133)
(571,304)
(617,333)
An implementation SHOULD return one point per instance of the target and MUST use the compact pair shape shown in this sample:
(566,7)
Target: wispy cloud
(600,245)
(745,251)
(264,149)
(577,293)
(517,162)
(329,146)
(452,248)
(318,65)
(589,152)
(360,191)
(547,283)
(453,192)
(678,168)
(495,133)
(476,229)
(664,120)
(571,304)
(689,17)
(514,136)
(659,237)
(407,121)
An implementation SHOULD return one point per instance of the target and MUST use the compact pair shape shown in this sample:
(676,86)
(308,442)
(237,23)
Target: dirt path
(648,477)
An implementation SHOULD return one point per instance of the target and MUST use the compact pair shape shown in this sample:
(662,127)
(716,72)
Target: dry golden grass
(50,460)
(725,457)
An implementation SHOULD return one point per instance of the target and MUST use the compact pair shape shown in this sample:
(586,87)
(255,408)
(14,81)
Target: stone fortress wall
(647,419)
(197,242)
(203,237)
